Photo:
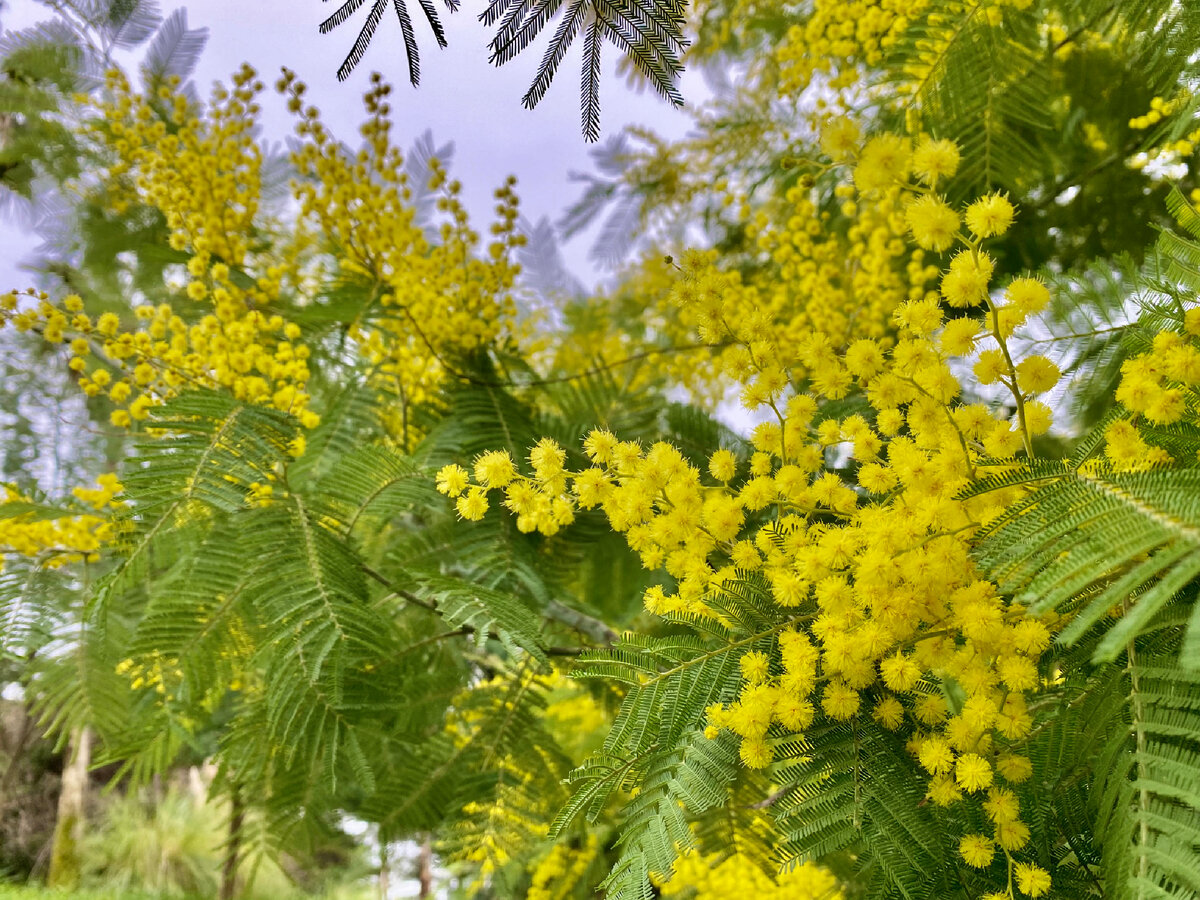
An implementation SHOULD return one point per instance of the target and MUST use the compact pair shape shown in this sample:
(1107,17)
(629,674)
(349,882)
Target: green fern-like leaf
(1098,540)
(1147,796)
(854,787)
(205,452)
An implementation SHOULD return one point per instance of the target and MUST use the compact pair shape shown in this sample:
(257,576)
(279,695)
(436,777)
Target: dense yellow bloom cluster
(430,302)
(54,542)
(641,297)
(1169,153)
(428,299)
(841,272)
(720,23)
(888,602)
(251,354)
(1159,109)
(201,171)
(845,285)
(508,816)
(1159,386)
(156,671)
(706,878)
(560,871)
(839,37)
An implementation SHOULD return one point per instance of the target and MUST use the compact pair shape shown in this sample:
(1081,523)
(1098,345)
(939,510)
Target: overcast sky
(462,98)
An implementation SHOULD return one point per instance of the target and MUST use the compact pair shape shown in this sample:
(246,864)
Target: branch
(587,625)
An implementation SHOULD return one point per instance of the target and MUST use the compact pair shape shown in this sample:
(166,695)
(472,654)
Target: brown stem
(425,872)
(233,848)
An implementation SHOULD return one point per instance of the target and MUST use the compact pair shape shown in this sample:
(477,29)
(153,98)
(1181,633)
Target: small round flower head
(722,465)
(794,713)
(1012,835)
(473,505)
(494,469)
(935,755)
(889,713)
(840,701)
(1037,374)
(1032,880)
(900,673)
(966,281)
(1028,294)
(933,224)
(599,446)
(973,772)
(839,138)
(756,667)
(547,458)
(1002,805)
(959,335)
(990,216)
(452,480)
(943,791)
(934,159)
(884,162)
(756,753)
(977,850)
(1191,321)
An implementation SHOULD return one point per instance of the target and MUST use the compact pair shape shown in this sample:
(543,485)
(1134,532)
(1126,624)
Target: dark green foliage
(853,786)
(1147,793)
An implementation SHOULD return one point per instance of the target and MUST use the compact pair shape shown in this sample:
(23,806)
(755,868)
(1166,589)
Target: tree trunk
(384,869)
(233,849)
(425,873)
(72,799)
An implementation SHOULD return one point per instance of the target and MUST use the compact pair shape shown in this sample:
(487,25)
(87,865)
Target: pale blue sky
(462,98)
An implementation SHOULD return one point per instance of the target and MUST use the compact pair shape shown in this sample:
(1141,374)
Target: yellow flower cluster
(55,542)
(430,299)
(888,604)
(541,502)
(1010,833)
(1170,151)
(706,878)
(720,23)
(201,170)
(1160,386)
(430,302)
(1159,109)
(251,354)
(156,671)
(840,276)
(508,813)
(842,284)
(840,37)
(642,297)
(559,872)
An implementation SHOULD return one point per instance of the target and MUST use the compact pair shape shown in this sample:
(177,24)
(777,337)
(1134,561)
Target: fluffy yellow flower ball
(990,216)
(977,850)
